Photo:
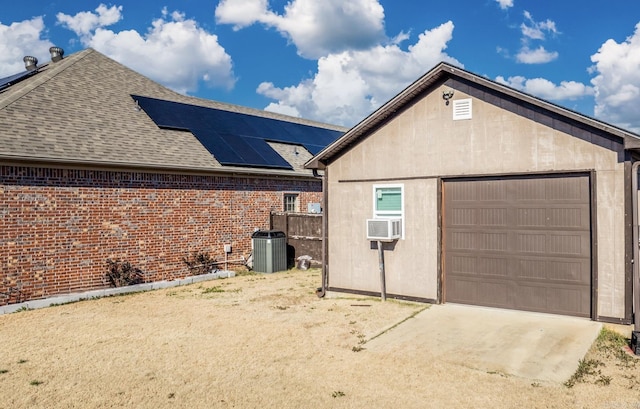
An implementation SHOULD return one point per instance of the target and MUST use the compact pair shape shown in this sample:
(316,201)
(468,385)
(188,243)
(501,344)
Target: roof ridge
(50,70)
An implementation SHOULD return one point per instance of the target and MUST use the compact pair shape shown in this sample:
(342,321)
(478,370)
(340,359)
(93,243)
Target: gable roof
(80,110)
(438,75)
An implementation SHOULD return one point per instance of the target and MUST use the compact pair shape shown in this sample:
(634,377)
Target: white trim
(380,215)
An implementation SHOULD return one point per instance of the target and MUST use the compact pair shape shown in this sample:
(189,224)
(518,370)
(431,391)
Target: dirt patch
(251,341)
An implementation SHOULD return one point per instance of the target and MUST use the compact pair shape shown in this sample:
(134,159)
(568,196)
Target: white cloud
(175,51)
(241,13)
(617,81)
(316,28)
(84,22)
(535,30)
(545,89)
(348,87)
(20,39)
(505,4)
(537,56)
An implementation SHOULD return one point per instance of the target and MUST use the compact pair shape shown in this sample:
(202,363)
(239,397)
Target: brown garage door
(521,243)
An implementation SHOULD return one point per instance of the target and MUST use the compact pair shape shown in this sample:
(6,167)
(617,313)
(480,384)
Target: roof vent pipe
(30,63)
(56,53)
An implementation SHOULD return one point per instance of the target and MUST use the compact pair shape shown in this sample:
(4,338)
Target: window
(290,202)
(388,202)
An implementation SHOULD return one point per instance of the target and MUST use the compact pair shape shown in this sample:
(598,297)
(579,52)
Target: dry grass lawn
(262,341)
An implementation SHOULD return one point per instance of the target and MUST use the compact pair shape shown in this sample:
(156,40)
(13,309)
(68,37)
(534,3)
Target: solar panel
(12,79)
(234,138)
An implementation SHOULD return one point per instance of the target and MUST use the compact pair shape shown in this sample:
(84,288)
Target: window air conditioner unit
(384,229)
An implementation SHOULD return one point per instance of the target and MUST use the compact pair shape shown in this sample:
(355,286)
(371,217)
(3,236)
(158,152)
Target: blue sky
(336,61)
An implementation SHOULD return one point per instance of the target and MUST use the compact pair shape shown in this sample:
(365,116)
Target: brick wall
(58,227)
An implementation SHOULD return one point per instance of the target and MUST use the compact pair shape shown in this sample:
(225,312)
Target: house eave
(127,166)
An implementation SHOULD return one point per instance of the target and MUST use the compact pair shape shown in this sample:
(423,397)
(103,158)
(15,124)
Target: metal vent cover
(462,109)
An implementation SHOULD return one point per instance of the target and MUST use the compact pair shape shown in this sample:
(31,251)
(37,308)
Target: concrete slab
(539,347)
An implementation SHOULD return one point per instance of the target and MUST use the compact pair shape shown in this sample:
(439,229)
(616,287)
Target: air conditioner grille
(384,229)
(378,228)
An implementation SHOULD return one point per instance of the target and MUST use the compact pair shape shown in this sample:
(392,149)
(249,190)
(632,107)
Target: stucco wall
(423,142)
(59,226)
(410,265)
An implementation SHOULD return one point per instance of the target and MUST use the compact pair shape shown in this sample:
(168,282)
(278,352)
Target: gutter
(322,291)
(108,165)
(636,243)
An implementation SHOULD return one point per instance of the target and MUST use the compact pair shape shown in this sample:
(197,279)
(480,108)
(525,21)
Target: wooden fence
(304,234)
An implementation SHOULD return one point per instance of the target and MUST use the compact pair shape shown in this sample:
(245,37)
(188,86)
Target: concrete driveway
(540,347)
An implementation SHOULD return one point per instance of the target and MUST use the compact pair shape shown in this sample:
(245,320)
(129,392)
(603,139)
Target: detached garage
(504,200)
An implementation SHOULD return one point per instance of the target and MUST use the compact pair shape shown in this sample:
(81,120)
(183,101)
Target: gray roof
(80,111)
(438,75)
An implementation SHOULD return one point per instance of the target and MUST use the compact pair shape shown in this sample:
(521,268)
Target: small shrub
(200,263)
(35,383)
(122,273)
(337,394)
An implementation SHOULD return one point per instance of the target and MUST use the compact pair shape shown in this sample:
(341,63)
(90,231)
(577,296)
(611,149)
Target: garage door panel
(557,243)
(555,271)
(562,216)
(558,300)
(472,291)
(482,267)
(522,243)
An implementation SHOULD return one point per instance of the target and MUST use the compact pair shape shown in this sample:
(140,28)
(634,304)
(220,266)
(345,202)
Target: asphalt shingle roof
(80,110)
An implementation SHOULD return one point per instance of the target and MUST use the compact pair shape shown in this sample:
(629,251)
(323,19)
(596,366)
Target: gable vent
(462,109)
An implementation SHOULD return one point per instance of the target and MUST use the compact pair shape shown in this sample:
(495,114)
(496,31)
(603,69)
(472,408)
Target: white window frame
(296,203)
(383,214)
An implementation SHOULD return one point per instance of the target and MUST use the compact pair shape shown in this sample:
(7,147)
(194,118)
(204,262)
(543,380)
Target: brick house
(94,166)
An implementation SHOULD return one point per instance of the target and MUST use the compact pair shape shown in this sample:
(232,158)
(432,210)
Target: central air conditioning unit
(384,229)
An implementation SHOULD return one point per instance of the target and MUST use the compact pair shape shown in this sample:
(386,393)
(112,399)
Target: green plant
(200,263)
(586,367)
(337,394)
(35,383)
(2,371)
(610,340)
(240,273)
(212,290)
(22,361)
(122,273)
(603,380)
(611,344)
